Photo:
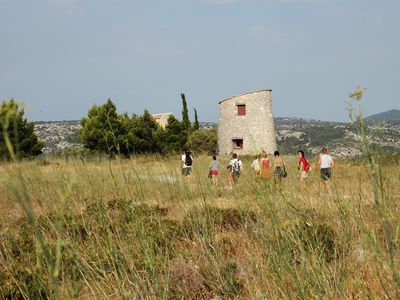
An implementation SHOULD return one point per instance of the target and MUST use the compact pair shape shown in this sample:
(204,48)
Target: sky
(61,57)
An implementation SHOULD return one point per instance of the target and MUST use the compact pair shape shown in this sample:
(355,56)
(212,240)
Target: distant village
(291,134)
(247,126)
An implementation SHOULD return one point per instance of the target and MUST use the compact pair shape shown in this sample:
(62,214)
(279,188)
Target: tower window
(241,109)
(237,143)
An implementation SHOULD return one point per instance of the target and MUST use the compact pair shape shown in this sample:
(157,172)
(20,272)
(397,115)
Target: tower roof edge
(235,96)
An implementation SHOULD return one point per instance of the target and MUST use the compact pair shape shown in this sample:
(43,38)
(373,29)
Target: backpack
(236,167)
(188,160)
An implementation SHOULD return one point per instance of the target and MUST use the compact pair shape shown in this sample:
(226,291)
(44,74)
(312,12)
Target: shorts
(279,171)
(326,173)
(235,177)
(214,172)
(303,174)
(186,171)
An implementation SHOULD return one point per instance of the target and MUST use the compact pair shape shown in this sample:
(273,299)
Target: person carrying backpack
(235,168)
(186,163)
(304,166)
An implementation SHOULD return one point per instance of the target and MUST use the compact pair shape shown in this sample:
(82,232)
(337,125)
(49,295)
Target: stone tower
(246,124)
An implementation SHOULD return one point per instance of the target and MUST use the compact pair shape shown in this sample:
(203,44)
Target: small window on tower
(241,109)
(237,143)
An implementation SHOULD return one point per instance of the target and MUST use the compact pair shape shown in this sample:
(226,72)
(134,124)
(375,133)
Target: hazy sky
(62,56)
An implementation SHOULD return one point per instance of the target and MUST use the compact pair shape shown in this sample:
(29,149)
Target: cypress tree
(196,125)
(185,115)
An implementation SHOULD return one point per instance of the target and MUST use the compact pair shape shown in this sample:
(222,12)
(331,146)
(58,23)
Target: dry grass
(134,229)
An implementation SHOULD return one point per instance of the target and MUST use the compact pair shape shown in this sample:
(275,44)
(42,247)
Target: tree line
(106,131)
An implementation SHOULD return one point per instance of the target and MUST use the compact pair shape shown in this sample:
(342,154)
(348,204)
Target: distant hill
(292,134)
(390,115)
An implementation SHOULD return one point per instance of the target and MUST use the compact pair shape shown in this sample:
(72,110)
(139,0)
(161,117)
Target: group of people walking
(263,168)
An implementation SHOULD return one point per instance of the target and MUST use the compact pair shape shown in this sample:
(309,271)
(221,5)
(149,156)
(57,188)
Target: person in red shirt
(304,166)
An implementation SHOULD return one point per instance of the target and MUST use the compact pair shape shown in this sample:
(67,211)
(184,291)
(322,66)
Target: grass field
(132,229)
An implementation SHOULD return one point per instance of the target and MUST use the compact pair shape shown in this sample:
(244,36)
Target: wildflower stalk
(356,118)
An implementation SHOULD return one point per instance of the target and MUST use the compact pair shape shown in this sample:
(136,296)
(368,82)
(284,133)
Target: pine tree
(173,138)
(144,130)
(196,125)
(102,129)
(107,131)
(17,136)
(185,114)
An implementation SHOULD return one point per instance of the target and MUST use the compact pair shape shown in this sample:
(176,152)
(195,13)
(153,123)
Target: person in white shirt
(235,167)
(326,164)
(186,164)
(255,165)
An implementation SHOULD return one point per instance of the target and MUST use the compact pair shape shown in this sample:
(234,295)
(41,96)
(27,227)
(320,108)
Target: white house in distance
(162,119)
(246,124)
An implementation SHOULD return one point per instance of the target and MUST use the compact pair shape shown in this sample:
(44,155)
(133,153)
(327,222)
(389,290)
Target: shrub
(204,141)
(19,131)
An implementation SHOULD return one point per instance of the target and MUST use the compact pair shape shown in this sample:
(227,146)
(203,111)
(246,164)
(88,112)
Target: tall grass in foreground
(134,229)
(389,228)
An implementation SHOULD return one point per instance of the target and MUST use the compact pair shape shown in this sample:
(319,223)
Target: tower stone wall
(255,128)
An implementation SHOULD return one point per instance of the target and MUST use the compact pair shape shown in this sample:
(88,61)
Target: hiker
(235,168)
(304,166)
(255,165)
(186,163)
(326,164)
(265,166)
(213,170)
(279,167)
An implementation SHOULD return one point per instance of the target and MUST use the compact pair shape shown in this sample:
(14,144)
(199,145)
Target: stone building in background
(246,124)
(162,119)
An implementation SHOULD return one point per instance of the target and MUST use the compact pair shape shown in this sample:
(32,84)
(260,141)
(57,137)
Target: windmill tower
(246,123)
